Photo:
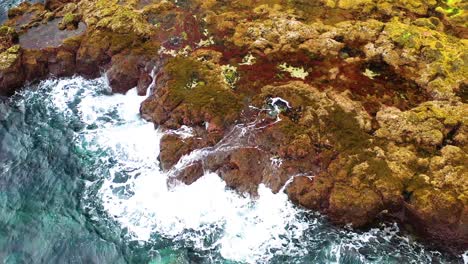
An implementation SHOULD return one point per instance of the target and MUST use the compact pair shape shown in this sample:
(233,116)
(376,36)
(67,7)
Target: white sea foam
(183,132)
(242,229)
(249,229)
(204,215)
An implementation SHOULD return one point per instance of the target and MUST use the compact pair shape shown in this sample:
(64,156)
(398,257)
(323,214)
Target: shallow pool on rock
(80,183)
(48,35)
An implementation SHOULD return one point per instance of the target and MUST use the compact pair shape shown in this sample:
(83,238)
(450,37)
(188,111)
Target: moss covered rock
(8,37)
(433,59)
(112,17)
(192,93)
(428,126)
(11,74)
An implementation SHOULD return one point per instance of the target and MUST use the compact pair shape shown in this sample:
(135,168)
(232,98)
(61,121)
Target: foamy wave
(241,229)
(205,215)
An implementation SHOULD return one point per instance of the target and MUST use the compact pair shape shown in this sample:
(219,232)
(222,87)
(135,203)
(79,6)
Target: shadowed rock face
(356,109)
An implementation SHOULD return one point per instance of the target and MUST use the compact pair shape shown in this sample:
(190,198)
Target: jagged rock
(69,21)
(35,64)
(172,149)
(144,81)
(433,59)
(62,63)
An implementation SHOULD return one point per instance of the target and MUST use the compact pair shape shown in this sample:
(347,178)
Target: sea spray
(241,228)
(126,193)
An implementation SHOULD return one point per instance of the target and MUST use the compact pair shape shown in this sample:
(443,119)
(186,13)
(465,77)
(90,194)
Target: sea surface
(80,183)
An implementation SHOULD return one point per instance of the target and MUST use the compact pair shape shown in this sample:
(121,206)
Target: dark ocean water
(80,183)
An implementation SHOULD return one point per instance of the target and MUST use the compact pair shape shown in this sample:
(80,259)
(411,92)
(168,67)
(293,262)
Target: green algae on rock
(10,70)
(9,57)
(434,60)
(195,93)
(427,125)
(112,16)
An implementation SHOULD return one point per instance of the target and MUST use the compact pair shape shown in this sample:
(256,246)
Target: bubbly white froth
(204,215)
(244,229)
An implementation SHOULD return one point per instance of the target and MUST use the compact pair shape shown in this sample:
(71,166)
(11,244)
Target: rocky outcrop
(90,37)
(11,74)
(356,109)
(192,93)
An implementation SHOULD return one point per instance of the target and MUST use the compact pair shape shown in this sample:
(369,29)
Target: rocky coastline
(357,109)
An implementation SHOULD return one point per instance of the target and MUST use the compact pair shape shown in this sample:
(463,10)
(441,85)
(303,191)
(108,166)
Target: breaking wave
(128,193)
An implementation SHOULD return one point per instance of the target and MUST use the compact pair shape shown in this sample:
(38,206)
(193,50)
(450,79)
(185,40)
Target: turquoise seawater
(80,183)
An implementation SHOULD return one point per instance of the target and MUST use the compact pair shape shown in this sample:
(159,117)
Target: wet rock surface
(356,109)
(48,35)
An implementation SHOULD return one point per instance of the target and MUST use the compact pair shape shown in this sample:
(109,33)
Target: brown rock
(124,72)
(55,4)
(244,169)
(173,147)
(311,193)
(191,173)
(92,54)
(62,63)
(144,81)
(8,37)
(355,206)
(35,64)
(11,72)
(438,215)
(18,10)
(191,92)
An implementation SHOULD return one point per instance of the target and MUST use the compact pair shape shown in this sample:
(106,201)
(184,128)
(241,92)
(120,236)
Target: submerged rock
(356,109)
